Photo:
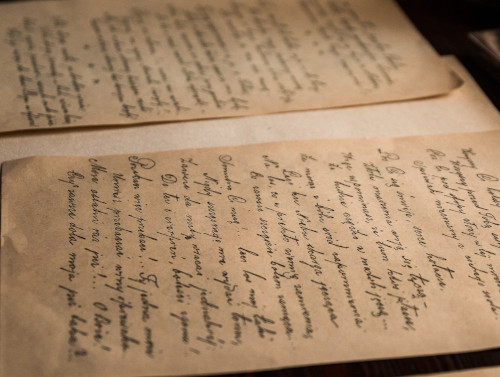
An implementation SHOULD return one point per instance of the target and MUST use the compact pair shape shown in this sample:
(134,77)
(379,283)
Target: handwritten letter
(114,62)
(251,257)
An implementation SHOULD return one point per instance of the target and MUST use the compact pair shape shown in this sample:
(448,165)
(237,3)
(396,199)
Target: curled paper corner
(458,82)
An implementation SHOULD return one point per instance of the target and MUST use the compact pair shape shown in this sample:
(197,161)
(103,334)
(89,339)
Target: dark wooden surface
(445,23)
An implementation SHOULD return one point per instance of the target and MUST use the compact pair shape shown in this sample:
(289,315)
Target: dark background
(445,24)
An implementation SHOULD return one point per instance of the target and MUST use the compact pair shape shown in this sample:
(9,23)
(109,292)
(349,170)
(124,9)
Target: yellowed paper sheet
(119,62)
(250,257)
(467,109)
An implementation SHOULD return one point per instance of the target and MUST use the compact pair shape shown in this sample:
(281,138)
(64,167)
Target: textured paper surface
(120,62)
(250,257)
(466,109)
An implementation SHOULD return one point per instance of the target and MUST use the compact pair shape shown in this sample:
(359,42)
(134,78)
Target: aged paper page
(466,109)
(250,257)
(119,62)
